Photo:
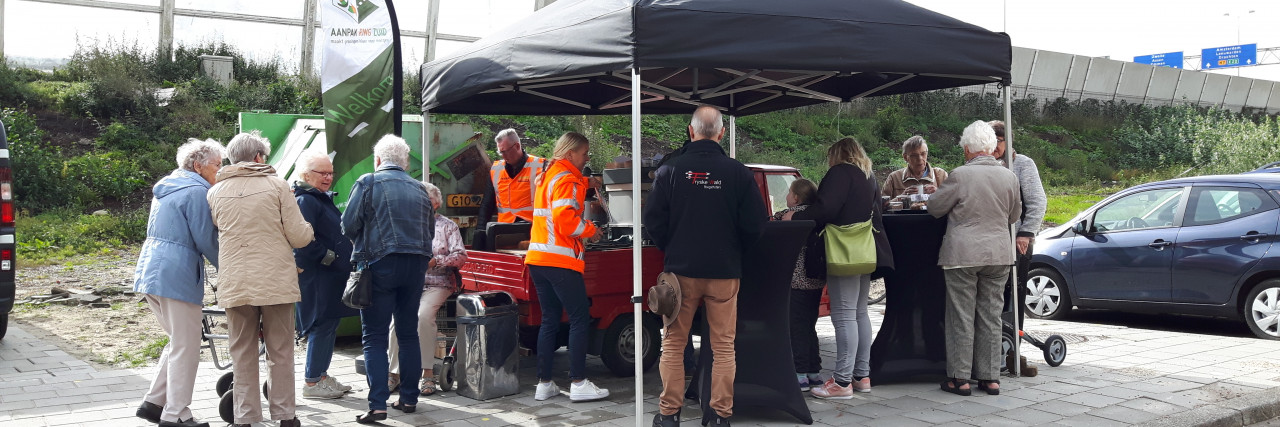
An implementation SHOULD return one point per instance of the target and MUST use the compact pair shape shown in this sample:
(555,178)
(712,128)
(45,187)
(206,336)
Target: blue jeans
(397,287)
(320,348)
(853,326)
(561,290)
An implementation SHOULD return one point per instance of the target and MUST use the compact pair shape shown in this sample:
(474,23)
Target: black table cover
(765,375)
(911,341)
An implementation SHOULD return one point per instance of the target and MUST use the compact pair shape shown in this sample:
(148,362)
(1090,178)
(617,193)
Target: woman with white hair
(388,219)
(323,268)
(170,274)
(980,200)
(449,253)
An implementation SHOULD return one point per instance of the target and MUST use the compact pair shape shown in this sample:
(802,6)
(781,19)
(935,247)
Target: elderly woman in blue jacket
(323,268)
(170,273)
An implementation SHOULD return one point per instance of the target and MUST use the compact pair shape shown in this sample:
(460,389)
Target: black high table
(911,342)
(765,375)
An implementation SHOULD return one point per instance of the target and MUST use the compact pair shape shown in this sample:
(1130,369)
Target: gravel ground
(124,334)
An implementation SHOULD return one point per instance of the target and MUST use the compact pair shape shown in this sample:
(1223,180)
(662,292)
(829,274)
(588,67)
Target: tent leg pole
(426,146)
(733,137)
(636,271)
(1016,368)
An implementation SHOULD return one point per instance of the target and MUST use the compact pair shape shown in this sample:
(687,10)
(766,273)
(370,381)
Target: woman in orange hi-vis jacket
(555,260)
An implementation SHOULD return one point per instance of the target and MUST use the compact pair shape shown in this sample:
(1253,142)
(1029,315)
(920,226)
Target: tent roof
(745,56)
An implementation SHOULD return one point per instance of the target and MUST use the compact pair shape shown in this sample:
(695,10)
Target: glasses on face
(323,174)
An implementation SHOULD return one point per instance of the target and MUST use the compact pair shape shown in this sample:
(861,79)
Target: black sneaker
(149,411)
(660,420)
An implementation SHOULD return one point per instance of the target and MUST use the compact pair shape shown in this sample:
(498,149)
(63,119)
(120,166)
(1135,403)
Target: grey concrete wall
(1189,86)
(1259,94)
(1047,75)
(1164,82)
(1134,80)
(1102,78)
(1237,91)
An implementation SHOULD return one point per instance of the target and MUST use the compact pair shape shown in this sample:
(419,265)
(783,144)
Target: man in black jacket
(703,210)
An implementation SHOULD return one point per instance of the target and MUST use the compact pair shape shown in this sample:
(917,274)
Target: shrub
(109,174)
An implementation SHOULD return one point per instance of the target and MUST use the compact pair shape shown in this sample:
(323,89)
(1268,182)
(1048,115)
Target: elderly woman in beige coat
(980,200)
(259,225)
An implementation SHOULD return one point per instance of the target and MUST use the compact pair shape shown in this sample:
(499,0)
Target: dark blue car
(1198,246)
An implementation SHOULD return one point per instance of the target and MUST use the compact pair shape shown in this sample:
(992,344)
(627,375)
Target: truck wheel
(619,345)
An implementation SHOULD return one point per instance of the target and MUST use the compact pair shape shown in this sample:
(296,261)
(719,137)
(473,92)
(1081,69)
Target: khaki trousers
(277,332)
(975,297)
(171,389)
(721,299)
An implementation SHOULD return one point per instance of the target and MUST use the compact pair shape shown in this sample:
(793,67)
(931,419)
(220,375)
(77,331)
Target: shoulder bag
(851,249)
(359,291)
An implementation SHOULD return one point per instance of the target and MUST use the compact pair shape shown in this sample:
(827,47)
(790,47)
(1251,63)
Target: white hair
(707,122)
(507,134)
(434,193)
(308,160)
(245,146)
(392,149)
(199,152)
(978,137)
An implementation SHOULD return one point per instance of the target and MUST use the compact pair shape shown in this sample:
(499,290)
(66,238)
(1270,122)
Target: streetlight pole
(1238,15)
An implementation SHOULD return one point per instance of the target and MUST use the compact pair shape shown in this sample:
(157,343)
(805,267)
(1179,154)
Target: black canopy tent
(589,57)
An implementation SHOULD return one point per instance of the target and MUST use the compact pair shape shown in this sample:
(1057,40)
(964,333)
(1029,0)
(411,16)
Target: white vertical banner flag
(359,81)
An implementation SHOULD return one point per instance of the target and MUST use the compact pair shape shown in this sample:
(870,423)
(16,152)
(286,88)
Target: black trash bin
(488,328)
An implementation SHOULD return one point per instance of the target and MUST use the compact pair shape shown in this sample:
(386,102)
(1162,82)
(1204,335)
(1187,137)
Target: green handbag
(851,249)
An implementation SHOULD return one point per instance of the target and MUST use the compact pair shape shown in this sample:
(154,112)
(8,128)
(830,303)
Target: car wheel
(4,325)
(1262,310)
(618,352)
(1046,294)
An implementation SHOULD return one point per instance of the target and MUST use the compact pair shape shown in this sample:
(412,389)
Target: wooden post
(307,63)
(433,20)
(166,29)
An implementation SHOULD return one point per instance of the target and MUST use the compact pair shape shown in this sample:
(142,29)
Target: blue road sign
(1229,56)
(1171,59)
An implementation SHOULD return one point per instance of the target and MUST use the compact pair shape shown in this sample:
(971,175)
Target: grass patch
(143,356)
(1063,207)
(56,236)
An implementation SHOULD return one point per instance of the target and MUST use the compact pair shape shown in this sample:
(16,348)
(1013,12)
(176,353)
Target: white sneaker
(585,391)
(334,384)
(546,391)
(322,390)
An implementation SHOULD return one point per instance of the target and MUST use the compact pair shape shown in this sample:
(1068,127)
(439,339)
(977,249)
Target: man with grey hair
(919,176)
(259,225)
(703,209)
(1034,205)
(514,177)
(323,268)
(170,274)
(389,220)
(980,199)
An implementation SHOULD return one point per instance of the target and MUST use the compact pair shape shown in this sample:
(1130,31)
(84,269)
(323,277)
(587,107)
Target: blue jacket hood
(177,180)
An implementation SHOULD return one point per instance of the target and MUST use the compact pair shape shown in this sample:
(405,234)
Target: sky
(1119,29)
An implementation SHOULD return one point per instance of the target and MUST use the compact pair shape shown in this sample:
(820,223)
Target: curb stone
(1245,410)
